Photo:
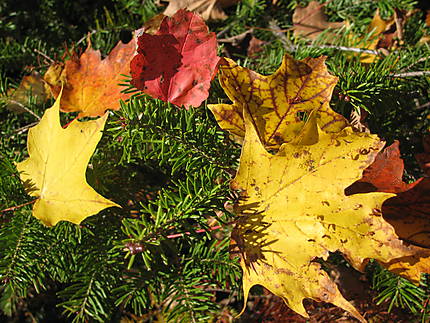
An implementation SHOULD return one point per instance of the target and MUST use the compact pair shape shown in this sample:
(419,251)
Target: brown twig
(235,39)
(398,26)
(25,128)
(422,106)
(177,235)
(13,208)
(350,49)
(44,55)
(86,37)
(280,35)
(25,108)
(422,59)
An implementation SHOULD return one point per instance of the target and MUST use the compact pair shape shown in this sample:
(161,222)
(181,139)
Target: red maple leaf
(177,63)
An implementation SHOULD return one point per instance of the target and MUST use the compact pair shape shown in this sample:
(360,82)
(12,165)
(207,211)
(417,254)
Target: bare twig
(422,59)
(44,55)
(350,49)
(222,32)
(25,108)
(13,208)
(422,106)
(280,35)
(86,36)
(411,74)
(25,128)
(235,39)
(398,25)
(177,235)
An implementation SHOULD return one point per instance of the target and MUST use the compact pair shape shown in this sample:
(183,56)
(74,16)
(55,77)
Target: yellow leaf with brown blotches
(278,104)
(55,170)
(293,212)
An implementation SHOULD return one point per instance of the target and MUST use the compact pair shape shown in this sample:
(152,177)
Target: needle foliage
(165,254)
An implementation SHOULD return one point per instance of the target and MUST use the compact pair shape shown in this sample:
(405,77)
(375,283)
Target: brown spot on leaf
(358,206)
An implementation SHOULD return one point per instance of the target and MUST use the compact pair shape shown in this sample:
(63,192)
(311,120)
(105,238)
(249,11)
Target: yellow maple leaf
(55,170)
(278,103)
(293,211)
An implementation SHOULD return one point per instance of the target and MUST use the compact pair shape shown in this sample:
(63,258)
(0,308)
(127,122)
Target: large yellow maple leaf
(278,103)
(55,170)
(293,212)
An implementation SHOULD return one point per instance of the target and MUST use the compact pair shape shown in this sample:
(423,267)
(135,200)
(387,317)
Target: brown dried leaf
(311,21)
(207,9)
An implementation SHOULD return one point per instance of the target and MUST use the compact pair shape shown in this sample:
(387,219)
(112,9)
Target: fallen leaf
(293,211)
(178,62)
(91,83)
(30,86)
(384,174)
(54,76)
(408,212)
(377,28)
(255,47)
(242,44)
(55,170)
(387,34)
(278,104)
(152,25)
(311,21)
(207,9)
(425,39)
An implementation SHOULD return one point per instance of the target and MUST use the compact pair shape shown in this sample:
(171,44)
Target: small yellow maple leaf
(55,170)
(293,211)
(278,103)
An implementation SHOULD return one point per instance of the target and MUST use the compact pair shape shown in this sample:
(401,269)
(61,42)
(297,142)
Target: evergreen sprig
(159,257)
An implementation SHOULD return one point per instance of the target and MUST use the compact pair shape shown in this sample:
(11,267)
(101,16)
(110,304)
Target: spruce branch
(7,276)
